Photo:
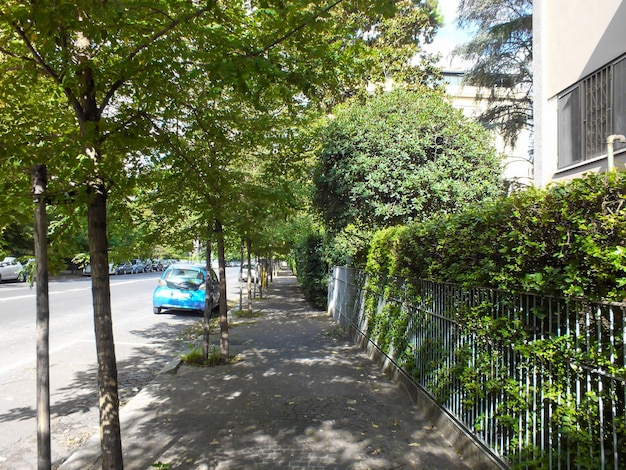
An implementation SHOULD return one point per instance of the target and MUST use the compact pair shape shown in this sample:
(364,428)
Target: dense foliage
(567,239)
(402,156)
(564,243)
(96,90)
(399,41)
(311,269)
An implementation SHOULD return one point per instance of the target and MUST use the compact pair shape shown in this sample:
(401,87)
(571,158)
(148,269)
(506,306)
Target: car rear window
(184,278)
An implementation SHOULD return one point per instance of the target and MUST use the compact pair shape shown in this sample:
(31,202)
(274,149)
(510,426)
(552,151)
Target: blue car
(184,287)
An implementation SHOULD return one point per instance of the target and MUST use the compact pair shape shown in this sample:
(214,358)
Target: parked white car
(87,269)
(254,273)
(10,269)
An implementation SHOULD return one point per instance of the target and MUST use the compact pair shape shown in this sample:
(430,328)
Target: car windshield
(184,278)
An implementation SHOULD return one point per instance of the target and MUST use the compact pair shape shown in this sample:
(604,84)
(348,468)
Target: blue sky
(449,35)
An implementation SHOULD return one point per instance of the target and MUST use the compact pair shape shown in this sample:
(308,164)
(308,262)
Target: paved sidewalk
(300,397)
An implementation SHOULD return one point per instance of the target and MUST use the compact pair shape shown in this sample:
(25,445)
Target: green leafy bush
(311,269)
(564,240)
(401,156)
(567,239)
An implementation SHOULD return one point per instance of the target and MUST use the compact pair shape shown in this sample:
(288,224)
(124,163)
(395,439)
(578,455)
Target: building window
(619,99)
(569,128)
(591,111)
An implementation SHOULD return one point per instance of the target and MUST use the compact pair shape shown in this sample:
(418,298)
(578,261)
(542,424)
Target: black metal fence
(538,380)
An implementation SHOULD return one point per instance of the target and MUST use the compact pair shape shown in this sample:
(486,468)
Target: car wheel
(156,310)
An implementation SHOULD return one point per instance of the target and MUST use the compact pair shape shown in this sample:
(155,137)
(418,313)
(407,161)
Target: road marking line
(76,289)
(31,359)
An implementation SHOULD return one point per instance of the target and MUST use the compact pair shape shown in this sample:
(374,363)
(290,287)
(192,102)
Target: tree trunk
(44,454)
(208,305)
(249,247)
(261,278)
(110,437)
(88,115)
(271,266)
(240,277)
(224,337)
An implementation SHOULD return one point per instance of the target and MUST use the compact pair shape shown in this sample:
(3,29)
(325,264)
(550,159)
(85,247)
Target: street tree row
(190,105)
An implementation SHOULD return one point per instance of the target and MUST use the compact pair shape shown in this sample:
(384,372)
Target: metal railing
(538,380)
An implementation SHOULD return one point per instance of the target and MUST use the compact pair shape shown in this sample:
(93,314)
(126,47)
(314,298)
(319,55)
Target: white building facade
(579,67)
(517,161)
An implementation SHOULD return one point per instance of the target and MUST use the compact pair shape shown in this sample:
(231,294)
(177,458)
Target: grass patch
(247,314)
(195,357)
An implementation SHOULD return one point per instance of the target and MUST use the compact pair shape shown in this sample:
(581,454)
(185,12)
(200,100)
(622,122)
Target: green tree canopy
(399,157)
(397,44)
(98,78)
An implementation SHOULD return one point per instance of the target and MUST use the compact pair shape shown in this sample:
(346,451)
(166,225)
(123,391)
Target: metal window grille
(597,108)
(591,111)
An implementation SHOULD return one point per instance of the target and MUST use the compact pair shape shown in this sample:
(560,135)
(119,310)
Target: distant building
(579,67)
(518,166)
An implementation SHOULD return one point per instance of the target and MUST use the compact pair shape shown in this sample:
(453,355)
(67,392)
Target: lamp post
(609,149)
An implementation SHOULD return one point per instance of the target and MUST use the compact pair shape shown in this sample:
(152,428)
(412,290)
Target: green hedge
(311,269)
(567,239)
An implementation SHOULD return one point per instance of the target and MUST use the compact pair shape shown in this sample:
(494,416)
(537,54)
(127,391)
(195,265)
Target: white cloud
(448,36)
(448,10)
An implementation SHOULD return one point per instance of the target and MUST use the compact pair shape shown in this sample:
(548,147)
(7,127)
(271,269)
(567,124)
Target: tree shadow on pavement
(300,397)
(74,407)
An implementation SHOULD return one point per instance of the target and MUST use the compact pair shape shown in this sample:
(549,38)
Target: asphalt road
(144,344)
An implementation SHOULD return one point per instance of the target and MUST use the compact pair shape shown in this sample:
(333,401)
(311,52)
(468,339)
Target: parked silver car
(125,267)
(10,269)
(137,266)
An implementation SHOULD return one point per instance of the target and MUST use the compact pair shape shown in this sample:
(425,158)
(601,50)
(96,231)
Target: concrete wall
(571,39)
(580,36)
